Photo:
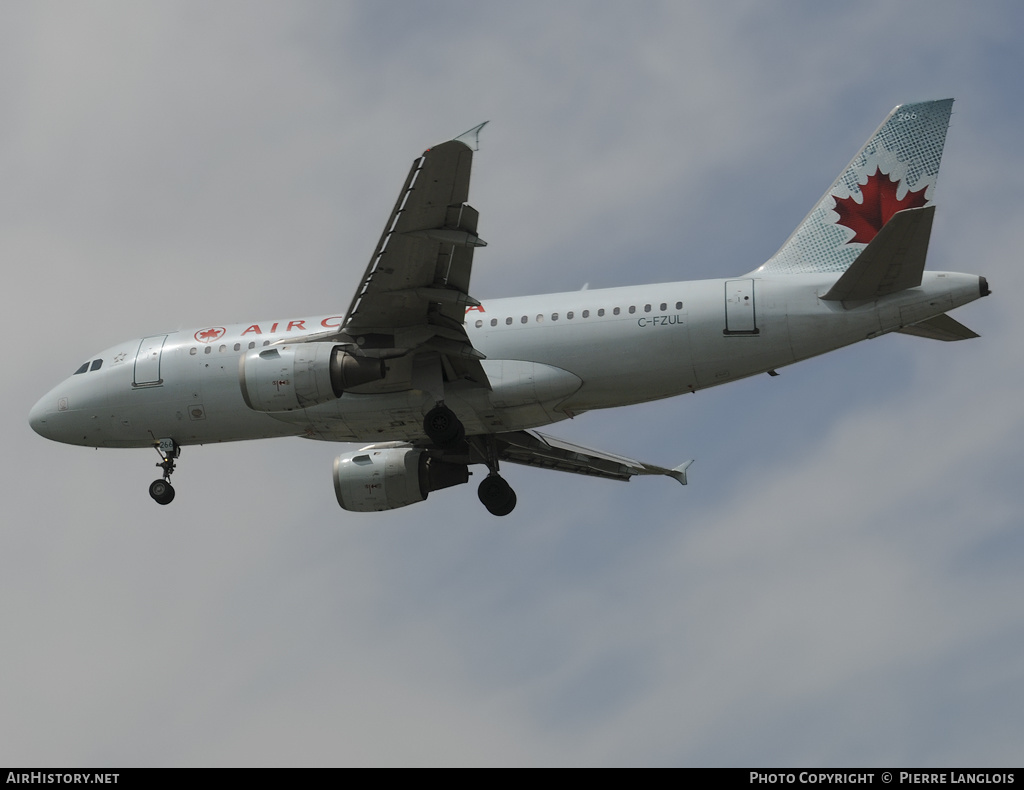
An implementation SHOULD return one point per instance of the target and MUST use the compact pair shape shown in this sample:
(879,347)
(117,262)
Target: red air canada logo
(880,203)
(211,335)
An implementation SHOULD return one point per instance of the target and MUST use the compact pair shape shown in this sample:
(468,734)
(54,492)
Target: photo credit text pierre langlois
(950,777)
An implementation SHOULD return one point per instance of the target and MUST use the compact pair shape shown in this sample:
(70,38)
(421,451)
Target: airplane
(437,381)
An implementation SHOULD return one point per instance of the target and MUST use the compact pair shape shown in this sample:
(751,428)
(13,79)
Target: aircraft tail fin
(897,169)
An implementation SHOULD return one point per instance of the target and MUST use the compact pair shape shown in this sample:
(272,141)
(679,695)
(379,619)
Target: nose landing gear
(161,490)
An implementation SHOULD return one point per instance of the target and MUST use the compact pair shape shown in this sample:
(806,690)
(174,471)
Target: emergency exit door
(740,313)
(147,361)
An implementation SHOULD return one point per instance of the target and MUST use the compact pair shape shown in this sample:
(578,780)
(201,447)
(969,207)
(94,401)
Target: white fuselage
(548,357)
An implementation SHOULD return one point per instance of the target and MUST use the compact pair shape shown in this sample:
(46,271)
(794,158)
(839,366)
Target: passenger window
(586,314)
(679,305)
(554,316)
(539,318)
(494,322)
(647,308)
(479,324)
(508,321)
(664,307)
(523,320)
(82,369)
(600,313)
(252,344)
(207,350)
(238,346)
(96,364)
(615,311)
(192,351)
(569,315)
(223,349)
(632,309)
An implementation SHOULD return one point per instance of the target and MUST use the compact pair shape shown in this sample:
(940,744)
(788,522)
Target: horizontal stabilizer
(893,260)
(941,327)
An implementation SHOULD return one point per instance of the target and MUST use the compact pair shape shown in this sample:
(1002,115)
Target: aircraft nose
(37,418)
(73,412)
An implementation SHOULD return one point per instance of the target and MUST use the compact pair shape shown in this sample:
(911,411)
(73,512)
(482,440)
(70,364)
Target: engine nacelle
(388,477)
(300,375)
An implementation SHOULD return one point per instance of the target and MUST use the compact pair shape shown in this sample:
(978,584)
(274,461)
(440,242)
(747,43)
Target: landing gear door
(147,362)
(740,315)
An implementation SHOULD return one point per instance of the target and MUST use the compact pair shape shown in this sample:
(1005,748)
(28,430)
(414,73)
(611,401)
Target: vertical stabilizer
(895,170)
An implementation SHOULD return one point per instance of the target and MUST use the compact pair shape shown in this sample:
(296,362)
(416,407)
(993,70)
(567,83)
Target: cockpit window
(89,366)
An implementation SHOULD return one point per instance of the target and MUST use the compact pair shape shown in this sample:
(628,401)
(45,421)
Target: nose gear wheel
(161,490)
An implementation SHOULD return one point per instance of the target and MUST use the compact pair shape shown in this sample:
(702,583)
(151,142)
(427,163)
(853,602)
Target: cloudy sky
(841,583)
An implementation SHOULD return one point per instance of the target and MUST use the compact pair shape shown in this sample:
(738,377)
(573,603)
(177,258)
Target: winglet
(679,473)
(473,133)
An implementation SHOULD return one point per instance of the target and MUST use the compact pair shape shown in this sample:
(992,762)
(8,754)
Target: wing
(535,449)
(413,296)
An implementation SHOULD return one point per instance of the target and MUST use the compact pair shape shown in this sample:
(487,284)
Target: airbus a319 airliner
(437,381)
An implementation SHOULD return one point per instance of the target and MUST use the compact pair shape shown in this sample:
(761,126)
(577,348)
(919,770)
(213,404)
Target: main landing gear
(161,490)
(495,494)
(443,427)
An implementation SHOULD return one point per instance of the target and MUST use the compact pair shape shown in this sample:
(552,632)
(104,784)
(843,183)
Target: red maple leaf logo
(209,335)
(880,203)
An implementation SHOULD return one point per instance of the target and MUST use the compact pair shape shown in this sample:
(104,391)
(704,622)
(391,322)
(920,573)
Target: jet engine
(383,478)
(297,376)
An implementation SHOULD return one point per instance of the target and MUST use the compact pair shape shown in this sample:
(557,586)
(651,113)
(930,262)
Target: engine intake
(290,377)
(385,478)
